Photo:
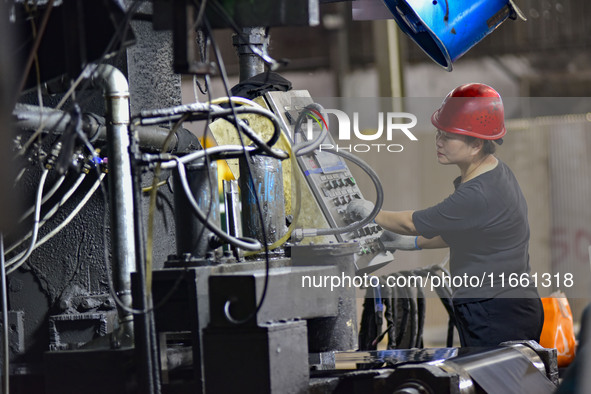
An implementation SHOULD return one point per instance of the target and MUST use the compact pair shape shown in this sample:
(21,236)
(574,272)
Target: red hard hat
(473,109)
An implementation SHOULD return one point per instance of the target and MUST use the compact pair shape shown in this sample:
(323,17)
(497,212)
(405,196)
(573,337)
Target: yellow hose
(150,188)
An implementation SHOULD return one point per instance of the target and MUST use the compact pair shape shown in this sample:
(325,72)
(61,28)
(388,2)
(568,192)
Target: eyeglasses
(440,134)
(444,136)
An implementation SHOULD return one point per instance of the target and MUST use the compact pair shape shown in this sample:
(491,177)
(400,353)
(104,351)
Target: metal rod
(36,44)
(145,346)
(232,208)
(6,363)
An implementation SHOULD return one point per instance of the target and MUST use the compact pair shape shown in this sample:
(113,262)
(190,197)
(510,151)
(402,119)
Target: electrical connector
(299,234)
(53,155)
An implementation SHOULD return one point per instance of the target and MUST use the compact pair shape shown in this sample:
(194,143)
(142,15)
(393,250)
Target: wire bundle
(404,310)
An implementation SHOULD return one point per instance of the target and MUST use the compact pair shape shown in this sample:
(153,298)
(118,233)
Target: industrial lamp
(446,29)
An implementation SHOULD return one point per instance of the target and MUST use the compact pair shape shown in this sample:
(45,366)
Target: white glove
(393,241)
(359,209)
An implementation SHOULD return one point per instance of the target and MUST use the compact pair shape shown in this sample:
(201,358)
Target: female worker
(484,223)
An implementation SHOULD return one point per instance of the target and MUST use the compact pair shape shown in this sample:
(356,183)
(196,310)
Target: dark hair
(488,146)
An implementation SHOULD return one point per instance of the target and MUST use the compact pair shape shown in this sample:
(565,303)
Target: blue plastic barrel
(446,29)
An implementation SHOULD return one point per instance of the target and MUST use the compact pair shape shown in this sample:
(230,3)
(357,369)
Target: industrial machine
(123,272)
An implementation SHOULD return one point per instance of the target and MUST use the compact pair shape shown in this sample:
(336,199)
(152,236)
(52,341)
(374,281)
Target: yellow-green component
(224,133)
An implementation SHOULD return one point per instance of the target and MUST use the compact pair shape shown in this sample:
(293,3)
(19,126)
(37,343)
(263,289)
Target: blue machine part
(446,29)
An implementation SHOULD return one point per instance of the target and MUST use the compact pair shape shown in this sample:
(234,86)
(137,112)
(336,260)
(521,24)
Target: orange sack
(558,331)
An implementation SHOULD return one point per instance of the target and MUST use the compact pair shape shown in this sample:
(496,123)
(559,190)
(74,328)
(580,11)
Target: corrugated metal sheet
(568,145)
(570,174)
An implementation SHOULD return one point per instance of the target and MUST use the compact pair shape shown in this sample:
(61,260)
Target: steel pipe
(251,63)
(151,138)
(116,91)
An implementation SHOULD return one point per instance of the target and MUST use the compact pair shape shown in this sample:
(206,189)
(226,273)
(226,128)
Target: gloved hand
(393,241)
(359,209)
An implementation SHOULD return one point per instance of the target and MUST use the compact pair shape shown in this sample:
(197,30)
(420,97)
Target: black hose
(450,333)
(413,316)
(260,111)
(421,310)
(413,320)
(389,313)
(199,111)
(402,306)
(368,328)
(445,295)
(403,311)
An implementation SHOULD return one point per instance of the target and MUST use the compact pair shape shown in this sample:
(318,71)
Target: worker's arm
(431,243)
(398,222)
(401,223)
(401,232)
(393,241)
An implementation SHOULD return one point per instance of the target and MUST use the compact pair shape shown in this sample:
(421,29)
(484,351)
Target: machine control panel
(328,177)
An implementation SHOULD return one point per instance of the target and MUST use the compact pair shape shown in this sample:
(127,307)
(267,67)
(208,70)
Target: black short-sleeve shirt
(485,224)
